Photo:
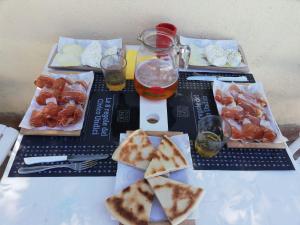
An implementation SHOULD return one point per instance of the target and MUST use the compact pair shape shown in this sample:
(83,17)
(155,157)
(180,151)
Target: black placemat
(108,114)
(111,113)
(244,159)
(194,100)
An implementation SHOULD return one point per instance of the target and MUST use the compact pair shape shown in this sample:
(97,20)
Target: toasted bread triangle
(135,151)
(133,205)
(167,158)
(177,199)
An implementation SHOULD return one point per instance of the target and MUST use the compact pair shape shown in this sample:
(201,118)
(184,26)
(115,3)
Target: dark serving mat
(111,113)
(244,159)
(194,100)
(108,114)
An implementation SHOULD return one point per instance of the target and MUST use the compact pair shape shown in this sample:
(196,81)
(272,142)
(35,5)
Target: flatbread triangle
(135,151)
(177,199)
(133,205)
(167,158)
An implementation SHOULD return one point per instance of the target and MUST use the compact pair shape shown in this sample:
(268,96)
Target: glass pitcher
(157,64)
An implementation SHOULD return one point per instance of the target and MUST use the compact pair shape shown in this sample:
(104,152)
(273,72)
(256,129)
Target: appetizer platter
(82,55)
(59,104)
(246,109)
(152,181)
(216,55)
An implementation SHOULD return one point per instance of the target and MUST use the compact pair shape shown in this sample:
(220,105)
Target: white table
(232,197)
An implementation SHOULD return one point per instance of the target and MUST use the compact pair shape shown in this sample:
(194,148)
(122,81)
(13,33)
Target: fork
(79,166)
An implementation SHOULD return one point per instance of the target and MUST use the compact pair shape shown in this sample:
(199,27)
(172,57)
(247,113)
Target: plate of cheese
(217,55)
(82,54)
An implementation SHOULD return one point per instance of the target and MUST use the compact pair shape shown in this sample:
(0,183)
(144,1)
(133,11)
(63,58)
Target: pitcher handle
(184,55)
(121,52)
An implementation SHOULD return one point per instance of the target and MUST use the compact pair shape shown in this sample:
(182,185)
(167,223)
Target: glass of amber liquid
(213,134)
(113,68)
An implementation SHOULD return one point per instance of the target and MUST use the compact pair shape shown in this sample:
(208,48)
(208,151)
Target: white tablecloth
(232,198)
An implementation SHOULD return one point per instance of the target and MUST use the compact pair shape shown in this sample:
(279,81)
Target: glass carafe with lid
(157,64)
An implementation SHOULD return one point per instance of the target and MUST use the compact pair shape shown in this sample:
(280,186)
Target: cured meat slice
(249,107)
(269,135)
(234,90)
(71,114)
(43,96)
(51,121)
(51,110)
(77,115)
(59,85)
(37,119)
(236,133)
(78,97)
(44,81)
(235,113)
(223,99)
(236,129)
(252,131)
(253,119)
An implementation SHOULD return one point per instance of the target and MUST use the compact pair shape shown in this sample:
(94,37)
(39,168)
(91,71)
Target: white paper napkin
(8,137)
(127,175)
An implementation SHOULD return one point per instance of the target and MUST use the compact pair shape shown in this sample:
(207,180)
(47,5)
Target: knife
(60,158)
(220,78)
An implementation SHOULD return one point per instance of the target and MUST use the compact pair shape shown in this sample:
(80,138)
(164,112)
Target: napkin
(127,175)
(8,137)
(130,68)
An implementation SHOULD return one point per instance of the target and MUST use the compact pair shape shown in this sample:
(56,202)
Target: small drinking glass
(113,68)
(213,134)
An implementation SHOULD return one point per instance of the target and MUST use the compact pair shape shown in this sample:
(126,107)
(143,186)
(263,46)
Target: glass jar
(157,64)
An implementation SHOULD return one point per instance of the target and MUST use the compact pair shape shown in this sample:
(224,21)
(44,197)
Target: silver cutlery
(79,166)
(59,158)
(220,78)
